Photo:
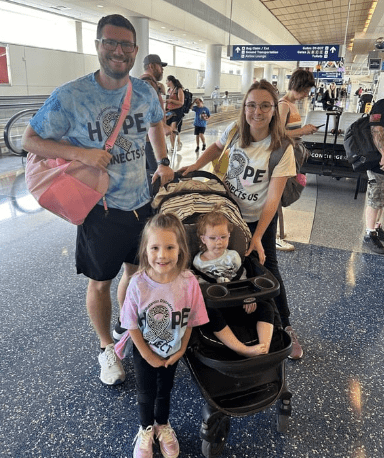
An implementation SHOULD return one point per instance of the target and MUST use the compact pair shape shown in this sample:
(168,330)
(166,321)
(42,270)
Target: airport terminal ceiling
(353,23)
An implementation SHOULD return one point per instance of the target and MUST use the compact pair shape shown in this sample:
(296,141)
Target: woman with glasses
(248,182)
(174,105)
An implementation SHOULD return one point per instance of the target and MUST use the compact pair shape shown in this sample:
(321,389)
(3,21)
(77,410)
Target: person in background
(331,96)
(300,85)
(174,106)
(153,74)
(225,101)
(258,196)
(74,124)
(215,96)
(202,114)
(163,303)
(374,234)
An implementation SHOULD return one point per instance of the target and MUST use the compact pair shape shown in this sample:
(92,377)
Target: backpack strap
(228,143)
(289,109)
(276,156)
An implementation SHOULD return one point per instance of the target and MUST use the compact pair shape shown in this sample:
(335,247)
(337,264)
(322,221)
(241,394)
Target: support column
(213,68)
(281,77)
(141,26)
(268,72)
(79,37)
(380,87)
(247,76)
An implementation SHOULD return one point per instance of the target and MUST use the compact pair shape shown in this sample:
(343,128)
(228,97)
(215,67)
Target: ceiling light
(60,8)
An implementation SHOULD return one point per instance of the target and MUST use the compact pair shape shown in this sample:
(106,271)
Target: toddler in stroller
(216,263)
(231,384)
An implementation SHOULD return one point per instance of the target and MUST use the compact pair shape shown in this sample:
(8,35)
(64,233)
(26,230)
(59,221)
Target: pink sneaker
(166,436)
(297,351)
(144,443)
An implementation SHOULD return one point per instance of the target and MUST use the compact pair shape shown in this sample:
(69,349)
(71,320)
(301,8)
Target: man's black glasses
(111,45)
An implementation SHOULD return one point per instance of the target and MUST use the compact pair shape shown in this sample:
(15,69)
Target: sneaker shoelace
(166,435)
(145,436)
(111,357)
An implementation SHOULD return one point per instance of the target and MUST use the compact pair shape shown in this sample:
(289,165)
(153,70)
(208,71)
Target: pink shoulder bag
(70,189)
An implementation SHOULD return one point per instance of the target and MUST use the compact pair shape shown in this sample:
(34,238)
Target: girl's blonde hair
(213,218)
(167,222)
(275,129)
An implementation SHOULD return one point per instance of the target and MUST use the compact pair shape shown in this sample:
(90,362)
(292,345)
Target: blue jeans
(269,244)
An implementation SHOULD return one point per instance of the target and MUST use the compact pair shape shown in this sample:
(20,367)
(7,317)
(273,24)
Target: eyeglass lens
(111,45)
(264,107)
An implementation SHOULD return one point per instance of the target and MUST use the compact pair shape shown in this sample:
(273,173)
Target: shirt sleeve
(51,121)
(287,165)
(129,311)
(198,314)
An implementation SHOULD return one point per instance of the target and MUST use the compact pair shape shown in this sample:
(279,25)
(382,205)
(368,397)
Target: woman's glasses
(111,45)
(264,107)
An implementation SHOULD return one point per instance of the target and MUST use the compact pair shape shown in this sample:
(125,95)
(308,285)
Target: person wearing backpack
(153,74)
(374,234)
(174,107)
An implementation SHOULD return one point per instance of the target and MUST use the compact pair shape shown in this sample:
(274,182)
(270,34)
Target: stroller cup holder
(240,292)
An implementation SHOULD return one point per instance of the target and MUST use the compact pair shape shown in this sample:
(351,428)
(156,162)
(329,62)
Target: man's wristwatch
(164,161)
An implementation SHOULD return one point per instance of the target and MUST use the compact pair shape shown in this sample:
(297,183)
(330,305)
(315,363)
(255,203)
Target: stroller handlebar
(178,177)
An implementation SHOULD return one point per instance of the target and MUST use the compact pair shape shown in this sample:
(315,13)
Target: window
(48,30)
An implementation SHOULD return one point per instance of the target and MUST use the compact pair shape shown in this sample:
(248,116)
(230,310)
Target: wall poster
(4,70)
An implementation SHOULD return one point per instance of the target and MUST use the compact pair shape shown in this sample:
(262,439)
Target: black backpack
(359,147)
(187,101)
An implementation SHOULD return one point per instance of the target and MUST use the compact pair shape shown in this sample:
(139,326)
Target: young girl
(162,304)
(216,261)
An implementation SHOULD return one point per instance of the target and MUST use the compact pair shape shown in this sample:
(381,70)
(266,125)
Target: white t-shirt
(247,176)
(222,269)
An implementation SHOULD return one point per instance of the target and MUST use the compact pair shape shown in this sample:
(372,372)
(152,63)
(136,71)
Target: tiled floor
(52,403)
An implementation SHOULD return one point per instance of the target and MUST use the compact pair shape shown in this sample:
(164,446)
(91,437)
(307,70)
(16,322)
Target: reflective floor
(52,403)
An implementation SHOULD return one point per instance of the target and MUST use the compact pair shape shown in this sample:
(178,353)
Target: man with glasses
(74,124)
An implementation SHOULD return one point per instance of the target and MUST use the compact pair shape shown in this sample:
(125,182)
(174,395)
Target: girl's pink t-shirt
(162,312)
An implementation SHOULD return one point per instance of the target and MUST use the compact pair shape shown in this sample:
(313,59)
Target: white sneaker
(282,245)
(112,371)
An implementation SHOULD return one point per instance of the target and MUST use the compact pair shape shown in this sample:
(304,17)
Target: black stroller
(232,385)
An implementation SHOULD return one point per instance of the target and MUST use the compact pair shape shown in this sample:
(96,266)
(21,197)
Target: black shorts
(177,116)
(199,130)
(104,243)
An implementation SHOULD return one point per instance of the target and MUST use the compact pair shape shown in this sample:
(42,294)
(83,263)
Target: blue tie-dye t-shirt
(84,114)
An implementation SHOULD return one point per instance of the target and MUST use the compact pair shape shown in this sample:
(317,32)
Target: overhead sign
(288,52)
(374,64)
(328,75)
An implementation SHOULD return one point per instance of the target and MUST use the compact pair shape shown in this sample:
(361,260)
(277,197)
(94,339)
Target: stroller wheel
(211,449)
(282,422)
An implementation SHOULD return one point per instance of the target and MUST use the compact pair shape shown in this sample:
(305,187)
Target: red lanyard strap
(124,110)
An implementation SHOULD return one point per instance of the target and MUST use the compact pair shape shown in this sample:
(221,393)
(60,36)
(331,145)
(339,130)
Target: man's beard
(116,75)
